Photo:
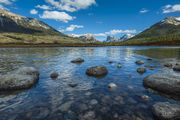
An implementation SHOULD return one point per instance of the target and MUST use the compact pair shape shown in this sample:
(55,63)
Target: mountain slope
(16,29)
(10,22)
(166,31)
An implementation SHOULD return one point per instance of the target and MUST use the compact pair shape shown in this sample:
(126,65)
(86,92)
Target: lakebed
(91,99)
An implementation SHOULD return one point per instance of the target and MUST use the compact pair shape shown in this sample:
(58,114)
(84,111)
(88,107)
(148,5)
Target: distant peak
(171,20)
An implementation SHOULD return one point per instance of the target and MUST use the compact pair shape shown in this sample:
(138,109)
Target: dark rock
(72,85)
(169,65)
(54,75)
(141,70)
(139,62)
(149,59)
(78,60)
(150,67)
(166,111)
(97,71)
(22,78)
(165,83)
(176,67)
(110,62)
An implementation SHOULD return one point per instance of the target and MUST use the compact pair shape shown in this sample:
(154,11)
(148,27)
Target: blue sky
(97,17)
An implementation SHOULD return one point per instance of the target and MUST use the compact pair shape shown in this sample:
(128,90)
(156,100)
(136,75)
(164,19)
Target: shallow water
(91,99)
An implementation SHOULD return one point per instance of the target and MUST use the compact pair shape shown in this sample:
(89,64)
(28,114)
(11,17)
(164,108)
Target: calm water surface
(91,99)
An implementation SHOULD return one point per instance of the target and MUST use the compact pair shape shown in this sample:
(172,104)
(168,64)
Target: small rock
(65,107)
(88,93)
(93,102)
(166,111)
(78,60)
(119,65)
(149,59)
(112,86)
(97,71)
(72,85)
(141,70)
(110,62)
(54,75)
(139,62)
(176,67)
(145,97)
(90,115)
(169,65)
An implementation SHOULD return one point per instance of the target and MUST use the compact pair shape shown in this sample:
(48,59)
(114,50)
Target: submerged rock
(54,75)
(119,65)
(22,78)
(145,97)
(169,65)
(112,86)
(141,70)
(139,62)
(149,59)
(78,60)
(166,111)
(165,83)
(73,85)
(97,71)
(176,67)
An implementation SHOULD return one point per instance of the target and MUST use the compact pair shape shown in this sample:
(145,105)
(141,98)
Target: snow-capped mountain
(10,22)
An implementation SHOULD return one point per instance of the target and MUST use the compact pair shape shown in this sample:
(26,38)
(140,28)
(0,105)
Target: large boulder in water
(165,83)
(166,111)
(22,78)
(176,67)
(97,71)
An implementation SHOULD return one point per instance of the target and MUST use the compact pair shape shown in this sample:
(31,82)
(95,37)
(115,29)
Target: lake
(91,99)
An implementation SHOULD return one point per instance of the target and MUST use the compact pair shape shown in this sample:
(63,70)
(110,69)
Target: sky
(100,18)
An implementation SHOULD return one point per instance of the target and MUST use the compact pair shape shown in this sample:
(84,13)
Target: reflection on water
(161,53)
(91,99)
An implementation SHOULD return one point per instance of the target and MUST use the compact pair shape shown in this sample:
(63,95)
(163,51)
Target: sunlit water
(91,99)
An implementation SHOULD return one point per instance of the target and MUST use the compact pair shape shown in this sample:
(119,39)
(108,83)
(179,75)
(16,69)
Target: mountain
(122,38)
(17,29)
(10,22)
(126,37)
(165,32)
(111,39)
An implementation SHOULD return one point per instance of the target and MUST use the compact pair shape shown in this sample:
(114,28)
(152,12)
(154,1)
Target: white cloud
(5,2)
(71,28)
(171,8)
(56,15)
(144,10)
(111,32)
(71,5)
(34,12)
(44,7)
(116,31)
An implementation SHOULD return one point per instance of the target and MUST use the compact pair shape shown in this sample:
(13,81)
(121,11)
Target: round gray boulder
(22,78)
(165,83)
(176,67)
(54,75)
(97,71)
(166,111)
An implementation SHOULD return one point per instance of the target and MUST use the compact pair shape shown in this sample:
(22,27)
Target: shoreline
(78,45)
